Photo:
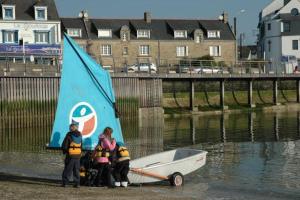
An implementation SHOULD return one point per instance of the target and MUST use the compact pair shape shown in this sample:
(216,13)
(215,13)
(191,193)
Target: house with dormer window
(29,29)
(119,42)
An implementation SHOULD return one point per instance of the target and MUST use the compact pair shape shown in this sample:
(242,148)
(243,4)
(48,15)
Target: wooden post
(275,92)
(222,95)
(192,96)
(250,94)
(193,122)
(250,126)
(276,127)
(223,128)
(298,123)
(298,91)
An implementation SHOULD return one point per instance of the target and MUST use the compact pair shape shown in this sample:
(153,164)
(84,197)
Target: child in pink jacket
(101,156)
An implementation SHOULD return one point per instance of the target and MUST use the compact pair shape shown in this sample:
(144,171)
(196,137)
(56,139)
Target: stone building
(119,42)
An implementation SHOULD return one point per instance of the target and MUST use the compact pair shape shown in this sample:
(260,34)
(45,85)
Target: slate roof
(25,9)
(246,50)
(161,29)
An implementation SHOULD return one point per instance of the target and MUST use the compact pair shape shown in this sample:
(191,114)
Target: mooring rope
(174,95)
(206,96)
(233,94)
(259,95)
(282,93)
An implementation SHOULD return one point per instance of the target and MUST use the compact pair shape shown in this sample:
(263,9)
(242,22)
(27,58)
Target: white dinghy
(170,165)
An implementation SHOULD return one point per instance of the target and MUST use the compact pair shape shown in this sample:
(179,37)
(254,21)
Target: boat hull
(161,166)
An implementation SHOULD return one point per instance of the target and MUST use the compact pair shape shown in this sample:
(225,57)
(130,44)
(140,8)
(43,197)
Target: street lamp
(235,30)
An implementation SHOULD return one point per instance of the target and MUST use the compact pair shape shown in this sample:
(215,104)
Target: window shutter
(220,51)
(16,37)
(49,38)
(211,51)
(186,51)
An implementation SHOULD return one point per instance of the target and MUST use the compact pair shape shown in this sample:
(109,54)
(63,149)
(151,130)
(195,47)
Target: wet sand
(19,187)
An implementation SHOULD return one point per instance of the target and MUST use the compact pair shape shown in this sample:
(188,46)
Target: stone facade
(162,42)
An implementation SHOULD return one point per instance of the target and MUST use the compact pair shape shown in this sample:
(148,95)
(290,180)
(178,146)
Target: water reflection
(247,127)
(246,151)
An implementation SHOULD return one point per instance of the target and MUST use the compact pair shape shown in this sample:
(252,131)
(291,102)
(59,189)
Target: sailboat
(87,97)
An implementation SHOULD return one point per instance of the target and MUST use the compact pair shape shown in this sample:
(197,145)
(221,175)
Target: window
(40,13)
(41,37)
(125,50)
(124,37)
(106,50)
(197,38)
(213,34)
(286,26)
(180,34)
(105,33)
(295,12)
(269,45)
(295,44)
(74,32)
(10,36)
(8,12)
(143,33)
(269,26)
(182,51)
(215,51)
(144,50)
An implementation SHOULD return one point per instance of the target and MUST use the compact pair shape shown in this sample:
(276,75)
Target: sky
(246,11)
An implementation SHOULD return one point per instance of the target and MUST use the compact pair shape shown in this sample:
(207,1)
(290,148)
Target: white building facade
(29,29)
(279,35)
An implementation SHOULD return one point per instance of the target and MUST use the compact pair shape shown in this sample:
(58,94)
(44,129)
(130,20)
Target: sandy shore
(18,187)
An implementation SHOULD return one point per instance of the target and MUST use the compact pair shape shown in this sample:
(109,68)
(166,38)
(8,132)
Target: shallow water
(250,155)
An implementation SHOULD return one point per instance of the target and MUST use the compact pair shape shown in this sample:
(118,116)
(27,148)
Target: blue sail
(86,96)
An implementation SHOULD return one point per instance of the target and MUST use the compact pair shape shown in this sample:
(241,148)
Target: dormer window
(8,12)
(143,33)
(40,13)
(125,33)
(124,37)
(180,34)
(213,34)
(198,36)
(294,12)
(104,33)
(74,32)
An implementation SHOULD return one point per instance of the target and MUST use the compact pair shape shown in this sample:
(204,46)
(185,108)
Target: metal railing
(179,66)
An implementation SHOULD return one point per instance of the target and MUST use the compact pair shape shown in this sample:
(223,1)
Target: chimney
(147,17)
(225,17)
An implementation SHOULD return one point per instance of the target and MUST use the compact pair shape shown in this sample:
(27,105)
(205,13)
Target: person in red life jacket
(72,148)
(122,165)
(101,156)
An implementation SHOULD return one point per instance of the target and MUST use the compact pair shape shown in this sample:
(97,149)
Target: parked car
(207,70)
(182,69)
(143,67)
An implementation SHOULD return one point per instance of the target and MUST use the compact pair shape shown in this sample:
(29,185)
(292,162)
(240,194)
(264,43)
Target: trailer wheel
(176,179)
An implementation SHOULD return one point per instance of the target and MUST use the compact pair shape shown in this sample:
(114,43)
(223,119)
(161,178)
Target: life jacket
(122,152)
(102,152)
(75,146)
